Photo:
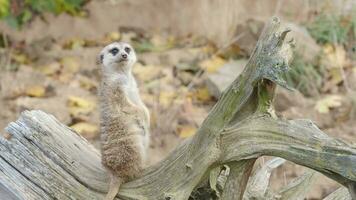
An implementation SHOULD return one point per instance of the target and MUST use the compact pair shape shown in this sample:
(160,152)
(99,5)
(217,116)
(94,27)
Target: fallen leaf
(78,105)
(111,37)
(70,65)
(158,40)
(324,105)
(127,36)
(49,69)
(166,98)
(146,72)
(87,83)
(334,56)
(335,75)
(36,91)
(74,43)
(20,58)
(65,78)
(208,49)
(212,64)
(202,94)
(86,129)
(187,131)
(114,35)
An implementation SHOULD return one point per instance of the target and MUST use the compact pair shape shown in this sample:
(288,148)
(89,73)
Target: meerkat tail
(114,186)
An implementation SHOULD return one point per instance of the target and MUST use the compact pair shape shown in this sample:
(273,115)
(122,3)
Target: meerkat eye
(128,50)
(114,51)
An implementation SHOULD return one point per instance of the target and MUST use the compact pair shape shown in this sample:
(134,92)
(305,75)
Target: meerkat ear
(99,59)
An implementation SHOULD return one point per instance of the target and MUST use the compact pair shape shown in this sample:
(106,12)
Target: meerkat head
(117,57)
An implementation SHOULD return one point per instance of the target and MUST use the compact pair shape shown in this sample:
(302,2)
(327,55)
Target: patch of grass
(18,12)
(331,28)
(326,28)
(305,77)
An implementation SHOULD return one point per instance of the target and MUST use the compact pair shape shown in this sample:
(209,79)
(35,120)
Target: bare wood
(339,194)
(45,159)
(237,181)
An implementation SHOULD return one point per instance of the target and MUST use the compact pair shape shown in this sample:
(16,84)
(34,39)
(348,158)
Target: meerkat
(124,118)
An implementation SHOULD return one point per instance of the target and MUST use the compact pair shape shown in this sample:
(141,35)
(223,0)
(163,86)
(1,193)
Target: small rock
(286,99)
(306,46)
(247,34)
(224,76)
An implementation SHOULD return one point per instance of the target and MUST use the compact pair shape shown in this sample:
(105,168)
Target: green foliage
(26,9)
(305,77)
(55,6)
(327,28)
(4,8)
(331,28)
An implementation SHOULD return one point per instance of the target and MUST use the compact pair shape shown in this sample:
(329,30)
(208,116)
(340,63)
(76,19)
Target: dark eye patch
(101,58)
(128,50)
(114,51)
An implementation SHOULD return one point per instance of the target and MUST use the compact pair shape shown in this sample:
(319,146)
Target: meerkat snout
(117,56)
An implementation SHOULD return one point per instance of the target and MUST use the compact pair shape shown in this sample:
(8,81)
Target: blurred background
(188,52)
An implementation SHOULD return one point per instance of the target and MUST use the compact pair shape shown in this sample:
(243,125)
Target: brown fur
(124,123)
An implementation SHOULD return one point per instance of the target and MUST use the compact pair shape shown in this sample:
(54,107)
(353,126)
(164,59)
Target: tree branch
(299,141)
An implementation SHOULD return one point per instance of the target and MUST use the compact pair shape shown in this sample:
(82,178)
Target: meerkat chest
(131,92)
(127,87)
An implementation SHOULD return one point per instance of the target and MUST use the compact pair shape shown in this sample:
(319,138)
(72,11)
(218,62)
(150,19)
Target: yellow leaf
(88,130)
(20,58)
(36,91)
(158,40)
(50,69)
(70,65)
(127,36)
(75,43)
(324,105)
(336,75)
(146,72)
(166,98)
(212,64)
(80,102)
(334,56)
(87,83)
(208,49)
(65,78)
(113,36)
(159,43)
(187,131)
(78,105)
(203,94)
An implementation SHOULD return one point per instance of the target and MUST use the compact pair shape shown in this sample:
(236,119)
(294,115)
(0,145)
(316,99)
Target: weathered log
(339,194)
(43,159)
